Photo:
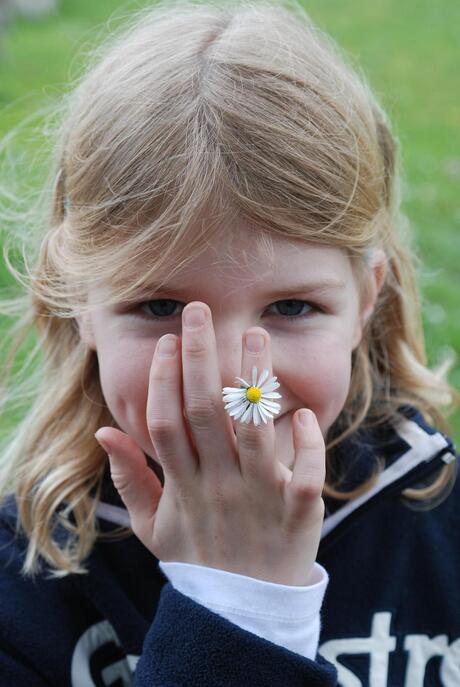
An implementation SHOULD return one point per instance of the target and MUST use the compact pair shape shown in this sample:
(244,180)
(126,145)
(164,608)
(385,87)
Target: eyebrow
(324,285)
(312,287)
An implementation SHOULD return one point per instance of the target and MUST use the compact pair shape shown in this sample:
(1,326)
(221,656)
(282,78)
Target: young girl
(225,210)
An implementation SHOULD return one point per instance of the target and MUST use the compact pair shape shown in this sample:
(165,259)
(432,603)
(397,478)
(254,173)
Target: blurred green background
(407,49)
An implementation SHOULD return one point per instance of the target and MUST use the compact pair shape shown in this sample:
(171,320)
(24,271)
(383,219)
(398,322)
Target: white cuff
(283,614)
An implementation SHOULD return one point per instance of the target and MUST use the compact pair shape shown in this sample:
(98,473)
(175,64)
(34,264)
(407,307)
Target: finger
(204,409)
(165,418)
(138,486)
(303,493)
(254,427)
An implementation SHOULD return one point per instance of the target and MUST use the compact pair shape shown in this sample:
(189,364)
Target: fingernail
(166,346)
(255,342)
(194,317)
(101,441)
(304,417)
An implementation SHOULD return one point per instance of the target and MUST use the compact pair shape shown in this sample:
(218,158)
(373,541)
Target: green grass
(408,52)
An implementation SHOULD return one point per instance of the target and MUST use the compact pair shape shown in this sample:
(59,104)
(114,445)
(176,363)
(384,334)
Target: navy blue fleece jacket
(391,614)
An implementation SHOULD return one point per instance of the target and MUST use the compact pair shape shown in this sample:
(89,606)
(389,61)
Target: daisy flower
(252,402)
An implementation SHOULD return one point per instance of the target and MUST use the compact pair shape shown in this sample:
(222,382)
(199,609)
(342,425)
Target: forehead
(235,262)
(243,258)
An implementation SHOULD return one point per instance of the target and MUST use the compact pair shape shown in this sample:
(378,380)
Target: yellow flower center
(253,394)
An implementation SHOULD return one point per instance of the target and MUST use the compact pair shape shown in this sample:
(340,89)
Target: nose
(229,352)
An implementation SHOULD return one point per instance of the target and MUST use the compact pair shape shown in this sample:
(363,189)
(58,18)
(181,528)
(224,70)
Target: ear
(85,328)
(372,288)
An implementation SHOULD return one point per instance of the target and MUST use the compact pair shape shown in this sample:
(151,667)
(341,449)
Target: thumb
(138,486)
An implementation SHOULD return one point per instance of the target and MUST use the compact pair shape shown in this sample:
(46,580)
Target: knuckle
(313,442)
(120,481)
(195,350)
(250,436)
(161,428)
(201,409)
(308,488)
(163,382)
(318,445)
(302,509)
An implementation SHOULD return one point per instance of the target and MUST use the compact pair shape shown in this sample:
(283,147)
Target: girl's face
(306,298)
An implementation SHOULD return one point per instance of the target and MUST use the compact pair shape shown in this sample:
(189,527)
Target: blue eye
(164,309)
(294,308)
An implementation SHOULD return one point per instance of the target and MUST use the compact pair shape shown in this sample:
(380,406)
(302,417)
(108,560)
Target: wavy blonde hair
(196,110)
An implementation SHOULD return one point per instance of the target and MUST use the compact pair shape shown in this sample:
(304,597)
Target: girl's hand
(227,501)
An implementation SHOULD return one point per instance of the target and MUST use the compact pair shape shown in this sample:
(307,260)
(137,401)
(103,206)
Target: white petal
(271,407)
(266,407)
(247,415)
(268,415)
(271,385)
(271,394)
(269,403)
(254,375)
(230,389)
(237,394)
(273,413)
(263,376)
(255,414)
(233,404)
(237,411)
(263,413)
(243,412)
(245,384)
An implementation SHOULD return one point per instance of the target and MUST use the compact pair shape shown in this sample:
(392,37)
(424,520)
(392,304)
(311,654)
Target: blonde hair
(196,110)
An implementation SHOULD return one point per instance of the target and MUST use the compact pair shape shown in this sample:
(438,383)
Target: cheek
(321,376)
(124,373)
